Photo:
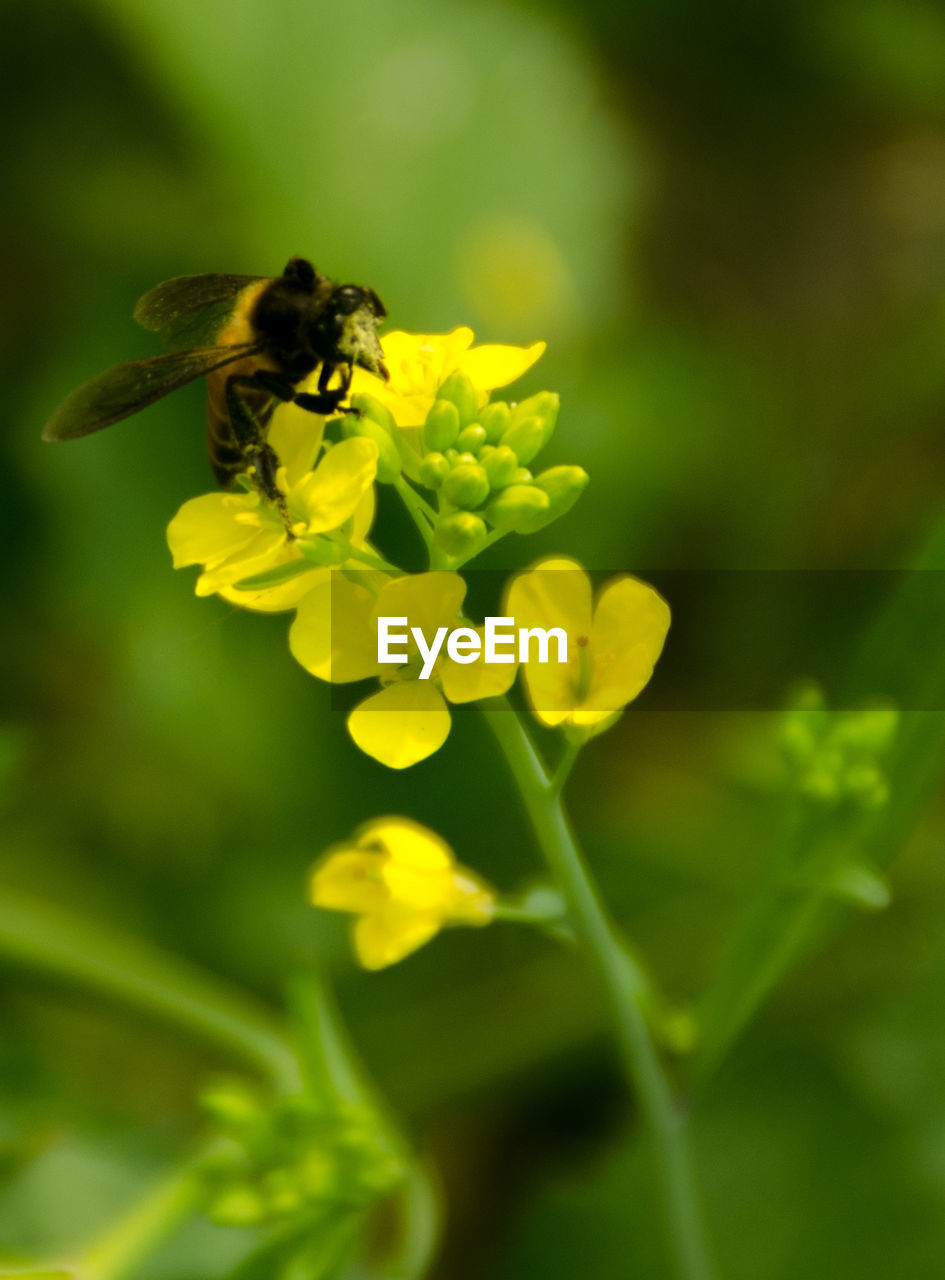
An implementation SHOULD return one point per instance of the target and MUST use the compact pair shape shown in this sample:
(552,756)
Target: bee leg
(250,436)
(325,401)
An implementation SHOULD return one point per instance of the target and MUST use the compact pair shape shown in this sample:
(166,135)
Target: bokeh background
(728,222)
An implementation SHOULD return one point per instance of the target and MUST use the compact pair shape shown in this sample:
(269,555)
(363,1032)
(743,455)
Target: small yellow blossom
(404,885)
(334,636)
(419,364)
(239,535)
(613,644)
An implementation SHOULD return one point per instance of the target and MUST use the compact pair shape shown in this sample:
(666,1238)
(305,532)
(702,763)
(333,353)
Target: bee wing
(125,388)
(190,311)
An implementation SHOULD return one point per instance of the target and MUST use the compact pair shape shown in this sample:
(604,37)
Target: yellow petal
(384,937)
(406,842)
(265,550)
(627,636)
(427,600)
(348,880)
(363,518)
(331,493)
(402,724)
(556,593)
(418,364)
(333,634)
(466,682)
(296,436)
(207,528)
(418,889)
(492,365)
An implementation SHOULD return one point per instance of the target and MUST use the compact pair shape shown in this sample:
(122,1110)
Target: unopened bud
(433,470)
(495,419)
(471,438)
(520,508)
(372,408)
(500,466)
(532,425)
(460,391)
(442,426)
(563,485)
(389,465)
(467,485)
(460,534)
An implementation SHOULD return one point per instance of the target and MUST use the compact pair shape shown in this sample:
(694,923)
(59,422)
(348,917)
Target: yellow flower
(613,644)
(239,535)
(404,885)
(334,636)
(419,364)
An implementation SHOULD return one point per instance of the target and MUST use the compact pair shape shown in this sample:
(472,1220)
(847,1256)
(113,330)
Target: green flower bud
(467,485)
(389,465)
(500,466)
(563,485)
(460,390)
(451,456)
(442,426)
(495,419)
(433,470)
(486,451)
(520,508)
(522,475)
(543,405)
(465,460)
(532,425)
(372,408)
(471,438)
(319,550)
(460,534)
(526,438)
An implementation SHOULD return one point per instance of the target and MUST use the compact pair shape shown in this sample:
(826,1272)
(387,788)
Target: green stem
(625,986)
(53,941)
(132,1238)
(372,559)
(418,1207)
(563,768)
(418,509)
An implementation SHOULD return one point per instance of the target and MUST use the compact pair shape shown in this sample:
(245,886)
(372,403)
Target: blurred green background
(728,222)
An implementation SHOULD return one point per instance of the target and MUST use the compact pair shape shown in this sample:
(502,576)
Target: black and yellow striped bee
(255,339)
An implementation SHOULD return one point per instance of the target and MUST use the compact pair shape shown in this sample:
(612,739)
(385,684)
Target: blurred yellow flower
(404,885)
(240,535)
(613,644)
(419,364)
(334,636)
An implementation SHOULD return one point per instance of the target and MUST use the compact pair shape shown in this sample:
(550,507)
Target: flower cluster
(472,453)
(460,461)
(276,1161)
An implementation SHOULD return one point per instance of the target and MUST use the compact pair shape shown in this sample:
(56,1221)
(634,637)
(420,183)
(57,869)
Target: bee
(255,339)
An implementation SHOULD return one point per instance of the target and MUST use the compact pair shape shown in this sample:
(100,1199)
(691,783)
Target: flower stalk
(626,988)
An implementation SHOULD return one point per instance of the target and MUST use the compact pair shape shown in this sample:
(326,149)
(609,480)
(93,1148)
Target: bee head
(354,314)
